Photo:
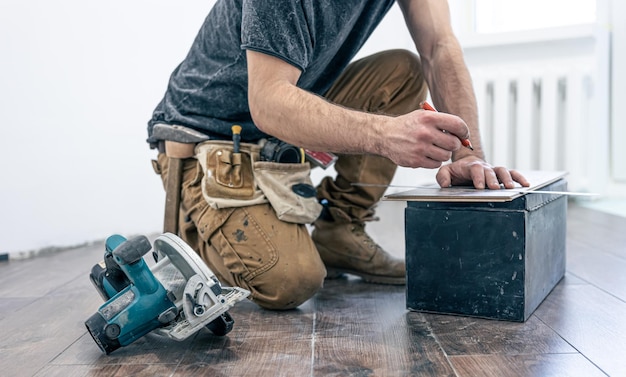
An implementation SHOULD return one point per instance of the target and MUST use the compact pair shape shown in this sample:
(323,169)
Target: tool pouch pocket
(289,189)
(228,178)
(241,179)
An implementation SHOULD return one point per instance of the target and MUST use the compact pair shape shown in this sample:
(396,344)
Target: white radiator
(536,117)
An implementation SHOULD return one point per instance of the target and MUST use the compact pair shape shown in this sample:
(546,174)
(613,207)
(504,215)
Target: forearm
(298,117)
(444,68)
(451,90)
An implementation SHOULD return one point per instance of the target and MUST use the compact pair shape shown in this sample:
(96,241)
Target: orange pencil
(465,142)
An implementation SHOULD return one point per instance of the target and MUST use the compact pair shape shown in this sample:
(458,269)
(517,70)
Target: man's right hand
(423,139)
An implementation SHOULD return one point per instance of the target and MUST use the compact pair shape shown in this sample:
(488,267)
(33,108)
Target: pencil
(465,142)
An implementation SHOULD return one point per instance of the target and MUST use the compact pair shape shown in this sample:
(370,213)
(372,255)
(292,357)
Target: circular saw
(176,296)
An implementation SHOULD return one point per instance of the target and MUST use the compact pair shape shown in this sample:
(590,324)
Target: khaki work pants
(277,261)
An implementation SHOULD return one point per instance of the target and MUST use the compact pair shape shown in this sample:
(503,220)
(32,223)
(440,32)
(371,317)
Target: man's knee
(275,260)
(282,289)
(408,66)
(397,63)
(405,59)
(388,82)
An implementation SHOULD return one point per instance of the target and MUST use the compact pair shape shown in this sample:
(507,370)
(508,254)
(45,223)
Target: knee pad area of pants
(283,289)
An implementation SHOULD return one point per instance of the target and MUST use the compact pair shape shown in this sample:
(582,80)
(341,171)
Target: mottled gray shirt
(208,91)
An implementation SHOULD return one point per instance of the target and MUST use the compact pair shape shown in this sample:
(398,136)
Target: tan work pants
(275,260)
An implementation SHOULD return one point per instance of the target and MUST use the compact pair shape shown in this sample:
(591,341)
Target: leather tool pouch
(228,180)
(241,179)
(289,189)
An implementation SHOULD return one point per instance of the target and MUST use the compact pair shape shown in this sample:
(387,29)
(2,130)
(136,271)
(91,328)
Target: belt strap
(172,195)
(175,152)
(179,142)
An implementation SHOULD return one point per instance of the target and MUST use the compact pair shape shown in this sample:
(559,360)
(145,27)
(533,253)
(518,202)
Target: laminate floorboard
(550,365)
(364,331)
(598,230)
(592,321)
(349,328)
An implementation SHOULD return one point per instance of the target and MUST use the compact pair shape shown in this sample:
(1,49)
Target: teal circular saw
(176,296)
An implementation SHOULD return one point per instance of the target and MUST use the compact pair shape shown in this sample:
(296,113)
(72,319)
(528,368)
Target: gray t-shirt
(208,91)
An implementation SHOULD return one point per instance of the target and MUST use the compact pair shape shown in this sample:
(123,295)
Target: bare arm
(281,109)
(442,60)
(451,88)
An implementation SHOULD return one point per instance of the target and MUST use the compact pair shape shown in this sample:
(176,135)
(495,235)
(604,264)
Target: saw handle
(129,256)
(132,250)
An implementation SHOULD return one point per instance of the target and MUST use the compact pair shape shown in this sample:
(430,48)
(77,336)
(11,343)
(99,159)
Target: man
(282,69)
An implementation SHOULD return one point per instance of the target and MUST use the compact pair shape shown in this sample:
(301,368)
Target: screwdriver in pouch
(236,138)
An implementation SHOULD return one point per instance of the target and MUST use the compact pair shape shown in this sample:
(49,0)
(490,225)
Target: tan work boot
(346,248)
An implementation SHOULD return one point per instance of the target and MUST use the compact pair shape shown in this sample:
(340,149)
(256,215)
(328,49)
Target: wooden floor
(348,329)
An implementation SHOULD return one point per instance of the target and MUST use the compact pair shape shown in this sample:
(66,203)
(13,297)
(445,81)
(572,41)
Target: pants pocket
(243,247)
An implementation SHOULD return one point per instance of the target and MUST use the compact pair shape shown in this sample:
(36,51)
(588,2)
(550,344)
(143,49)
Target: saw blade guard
(194,288)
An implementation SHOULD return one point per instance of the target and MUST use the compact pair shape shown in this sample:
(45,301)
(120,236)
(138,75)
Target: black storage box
(488,259)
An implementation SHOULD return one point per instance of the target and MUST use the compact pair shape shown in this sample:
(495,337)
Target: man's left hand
(472,170)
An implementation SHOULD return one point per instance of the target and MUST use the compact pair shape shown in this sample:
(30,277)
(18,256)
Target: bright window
(496,16)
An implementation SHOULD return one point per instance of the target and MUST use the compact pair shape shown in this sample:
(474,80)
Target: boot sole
(334,273)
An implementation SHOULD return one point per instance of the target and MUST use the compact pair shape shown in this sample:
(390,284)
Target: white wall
(618,95)
(78,82)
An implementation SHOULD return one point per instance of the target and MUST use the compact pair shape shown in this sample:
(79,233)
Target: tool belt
(241,179)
